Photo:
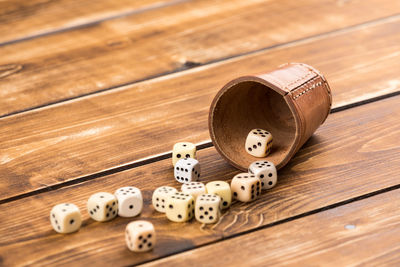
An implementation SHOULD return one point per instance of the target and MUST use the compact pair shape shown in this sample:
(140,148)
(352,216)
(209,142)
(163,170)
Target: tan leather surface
(291,102)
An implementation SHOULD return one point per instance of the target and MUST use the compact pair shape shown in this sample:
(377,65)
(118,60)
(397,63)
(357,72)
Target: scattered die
(221,189)
(194,188)
(65,218)
(130,201)
(259,143)
(246,187)
(160,196)
(140,236)
(266,171)
(180,207)
(183,150)
(208,208)
(187,170)
(102,206)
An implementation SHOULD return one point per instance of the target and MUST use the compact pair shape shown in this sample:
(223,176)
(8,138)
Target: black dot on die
(206,212)
(270,175)
(249,149)
(149,244)
(270,182)
(171,207)
(178,156)
(210,208)
(140,237)
(71,221)
(64,210)
(242,187)
(107,206)
(262,183)
(254,146)
(179,216)
(225,203)
(108,215)
(140,246)
(235,194)
(144,241)
(187,156)
(131,206)
(201,217)
(259,144)
(91,212)
(263,135)
(101,196)
(149,236)
(211,217)
(53,215)
(114,212)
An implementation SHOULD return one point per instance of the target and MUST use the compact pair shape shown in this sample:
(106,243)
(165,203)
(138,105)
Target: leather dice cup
(291,102)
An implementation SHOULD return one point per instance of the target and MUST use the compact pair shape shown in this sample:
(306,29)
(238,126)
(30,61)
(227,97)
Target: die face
(183,150)
(246,187)
(187,170)
(65,218)
(140,236)
(221,189)
(208,208)
(179,207)
(194,189)
(130,201)
(266,172)
(160,196)
(102,206)
(258,143)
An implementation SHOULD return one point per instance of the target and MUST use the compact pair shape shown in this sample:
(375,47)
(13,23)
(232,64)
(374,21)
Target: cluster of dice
(125,202)
(204,202)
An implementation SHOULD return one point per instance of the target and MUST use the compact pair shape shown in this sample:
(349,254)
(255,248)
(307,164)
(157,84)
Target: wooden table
(95,93)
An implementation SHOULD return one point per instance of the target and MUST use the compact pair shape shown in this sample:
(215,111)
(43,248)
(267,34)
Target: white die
(180,207)
(194,188)
(207,208)
(183,150)
(259,143)
(187,170)
(160,196)
(266,172)
(65,218)
(102,206)
(140,236)
(130,201)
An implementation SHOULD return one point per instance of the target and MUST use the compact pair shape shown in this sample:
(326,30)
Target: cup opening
(245,105)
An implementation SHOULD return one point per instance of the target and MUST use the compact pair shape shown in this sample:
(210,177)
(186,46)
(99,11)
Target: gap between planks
(161,156)
(189,67)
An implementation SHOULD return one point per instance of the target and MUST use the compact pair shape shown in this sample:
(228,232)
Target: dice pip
(140,236)
(246,187)
(221,189)
(180,207)
(160,196)
(266,171)
(65,218)
(194,188)
(187,170)
(130,201)
(183,150)
(102,206)
(258,143)
(207,208)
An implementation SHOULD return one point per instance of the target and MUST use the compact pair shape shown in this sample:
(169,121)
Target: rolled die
(246,187)
(221,189)
(140,236)
(187,170)
(180,207)
(160,196)
(130,201)
(207,208)
(266,172)
(183,150)
(65,218)
(258,143)
(102,206)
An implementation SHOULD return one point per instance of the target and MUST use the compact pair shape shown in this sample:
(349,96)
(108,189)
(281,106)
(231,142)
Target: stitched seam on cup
(315,85)
(299,79)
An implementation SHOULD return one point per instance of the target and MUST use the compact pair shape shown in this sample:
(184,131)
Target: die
(130,201)
(140,236)
(180,207)
(102,206)
(259,143)
(221,189)
(266,171)
(183,150)
(207,208)
(187,170)
(246,187)
(194,188)
(65,218)
(160,196)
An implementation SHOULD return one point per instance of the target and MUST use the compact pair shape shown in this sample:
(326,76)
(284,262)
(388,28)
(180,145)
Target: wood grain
(353,154)
(81,137)
(21,20)
(98,57)
(363,233)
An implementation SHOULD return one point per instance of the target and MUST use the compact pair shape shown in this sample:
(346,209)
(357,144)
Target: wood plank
(330,238)
(121,51)
(99,132)
(353,154)
(27,19)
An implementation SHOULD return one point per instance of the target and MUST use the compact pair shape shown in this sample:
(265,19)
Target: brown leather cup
(291,102)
